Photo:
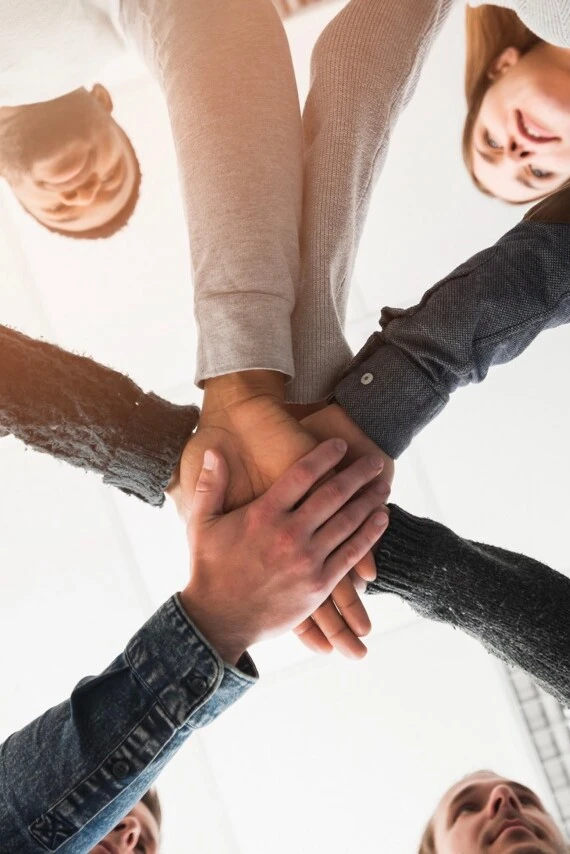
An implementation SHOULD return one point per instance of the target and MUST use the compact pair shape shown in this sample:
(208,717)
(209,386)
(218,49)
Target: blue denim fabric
(68,778)
(485,313)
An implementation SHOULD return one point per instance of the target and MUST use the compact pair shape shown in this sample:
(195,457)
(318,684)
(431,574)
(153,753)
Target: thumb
(210,489)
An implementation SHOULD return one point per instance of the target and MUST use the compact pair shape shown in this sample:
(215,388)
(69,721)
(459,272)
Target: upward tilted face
(67,161)
(521,137)
(137,833)
(487,814)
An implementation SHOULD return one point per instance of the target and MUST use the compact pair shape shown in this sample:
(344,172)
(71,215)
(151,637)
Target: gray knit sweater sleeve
(515,606)
(90,416)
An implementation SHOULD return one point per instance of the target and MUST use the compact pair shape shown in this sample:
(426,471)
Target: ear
(102,96)
(503,62)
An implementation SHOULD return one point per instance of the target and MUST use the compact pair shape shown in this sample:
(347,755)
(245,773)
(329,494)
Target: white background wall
(322,754)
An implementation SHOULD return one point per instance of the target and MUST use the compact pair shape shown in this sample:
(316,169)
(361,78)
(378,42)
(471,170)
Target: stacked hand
(260,440)
(260,570)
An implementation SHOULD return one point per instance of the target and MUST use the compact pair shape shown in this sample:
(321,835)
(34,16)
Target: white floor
(323,753)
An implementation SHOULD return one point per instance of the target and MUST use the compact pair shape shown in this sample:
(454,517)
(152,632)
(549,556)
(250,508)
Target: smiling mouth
(533,132)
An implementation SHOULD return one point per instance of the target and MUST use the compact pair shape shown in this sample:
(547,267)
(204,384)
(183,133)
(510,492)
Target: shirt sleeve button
(120,769)
(366,379)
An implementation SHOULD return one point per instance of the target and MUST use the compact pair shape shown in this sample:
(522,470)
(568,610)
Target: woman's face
(521,137)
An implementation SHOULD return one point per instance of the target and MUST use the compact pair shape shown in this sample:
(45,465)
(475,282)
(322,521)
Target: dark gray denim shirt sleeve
(485,313)
(68,777)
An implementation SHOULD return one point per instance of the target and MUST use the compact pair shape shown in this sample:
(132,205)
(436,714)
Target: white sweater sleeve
(548,19)
(226,73)
(365,67)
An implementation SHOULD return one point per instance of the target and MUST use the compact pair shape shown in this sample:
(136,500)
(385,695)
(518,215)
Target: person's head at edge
(69,163)
(516,137)
(138,832)
(485,812)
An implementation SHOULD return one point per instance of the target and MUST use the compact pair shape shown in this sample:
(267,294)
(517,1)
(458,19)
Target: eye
(540,173)
(490,141)
(468,806)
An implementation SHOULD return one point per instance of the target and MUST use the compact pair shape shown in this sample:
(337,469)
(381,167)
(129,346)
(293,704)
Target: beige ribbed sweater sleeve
(226,72)
(365,67)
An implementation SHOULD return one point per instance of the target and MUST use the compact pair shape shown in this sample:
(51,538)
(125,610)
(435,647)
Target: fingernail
(376,461)
(380,520)
(209,461)
(340,445)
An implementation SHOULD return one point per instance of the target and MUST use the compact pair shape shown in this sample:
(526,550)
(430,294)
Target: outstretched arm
(90,416)
(70,776)
(364,70)
(485,313)
(227,77)
(515,606)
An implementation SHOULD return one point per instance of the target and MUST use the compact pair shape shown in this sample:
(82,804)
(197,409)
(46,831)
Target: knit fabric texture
(515,606)
(90,416)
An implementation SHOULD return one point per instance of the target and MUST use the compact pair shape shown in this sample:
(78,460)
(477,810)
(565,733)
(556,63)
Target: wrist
(230,389)
(229,646)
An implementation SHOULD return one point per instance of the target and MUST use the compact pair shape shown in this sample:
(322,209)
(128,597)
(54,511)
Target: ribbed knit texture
(365,68)
(516,607)
(90,416)
(548,19)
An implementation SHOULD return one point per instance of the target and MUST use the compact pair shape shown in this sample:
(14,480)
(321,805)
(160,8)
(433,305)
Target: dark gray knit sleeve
(90,416)
(485,313)
(516,607)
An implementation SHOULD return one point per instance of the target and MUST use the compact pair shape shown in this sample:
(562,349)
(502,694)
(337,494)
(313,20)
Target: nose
(503,799)
(127,834)
(85,193)
(517,151)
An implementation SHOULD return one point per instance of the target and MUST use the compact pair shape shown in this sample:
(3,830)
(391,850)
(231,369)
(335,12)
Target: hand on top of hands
(261,569)
(259,441)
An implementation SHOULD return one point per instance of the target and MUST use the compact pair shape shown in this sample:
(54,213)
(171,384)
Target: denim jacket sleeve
(69,776)
(485,313)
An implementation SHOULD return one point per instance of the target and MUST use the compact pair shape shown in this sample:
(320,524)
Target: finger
(210,489)
(348,519)
(337,632)
(310,635)
(294,484)
(325,501)
(353,612)
(358,581)
(366,568)
(354,549)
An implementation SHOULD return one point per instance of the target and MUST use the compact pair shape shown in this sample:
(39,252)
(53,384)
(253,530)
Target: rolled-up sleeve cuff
(389,399)
(245,334)
(150,448)
(180,668)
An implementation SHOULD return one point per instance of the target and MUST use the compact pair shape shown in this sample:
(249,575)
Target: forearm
(485,313)
(90,416)
(92,757)
(515,606)
(227,77)
(365,67)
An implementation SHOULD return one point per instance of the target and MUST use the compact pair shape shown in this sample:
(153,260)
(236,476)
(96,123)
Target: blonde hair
(427,842)
(489,30)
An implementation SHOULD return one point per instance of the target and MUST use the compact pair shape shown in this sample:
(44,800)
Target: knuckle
(334,492)
(303,474)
